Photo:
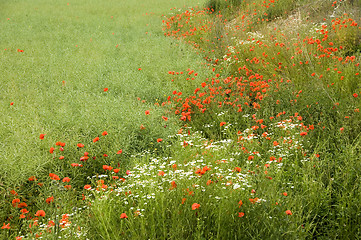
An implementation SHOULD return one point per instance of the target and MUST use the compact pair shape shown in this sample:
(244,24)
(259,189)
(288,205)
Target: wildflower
(288,212)
(61,157)
(80,145)
(49,200)
(68,187)
(165,118)
(12,103)
(32,178)
(285,194)
(209,182)
(147,112)
(41,136)
(66,179)
(95,139)
(40,213)
(51,150)
(15,202)
(159,140)
(195,206)
(241,214)
(123,215)
(116,170)
(127,172)
(7,226)
(303,133)
(342,129)
(161,173)
(87,187)
(183,200)
(104,133)
(120,151)
(355,95)
(222,123)
(240,203)
(54,176)
(106,89)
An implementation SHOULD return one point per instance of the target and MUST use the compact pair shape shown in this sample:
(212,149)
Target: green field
(180,119)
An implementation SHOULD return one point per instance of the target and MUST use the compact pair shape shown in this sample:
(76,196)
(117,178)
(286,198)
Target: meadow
(212,119)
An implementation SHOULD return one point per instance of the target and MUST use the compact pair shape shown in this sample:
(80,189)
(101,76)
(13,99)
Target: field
(180,119)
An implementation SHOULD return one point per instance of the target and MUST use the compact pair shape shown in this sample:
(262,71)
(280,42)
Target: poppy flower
(127,172)
(303,133)
(183,200)
(66,179)
(222,123)
(120,151)
(7,226)
(285,194)
(116,170)
(106,89)
(165,118)
(159,140)
(41,136)
(160,173)
(95,139)
(139,69)
(49,200)
(40,213)
(241,214)
(54,176)
(80,145)
(123,215)
(87,187)
(195,206)
(147,112)
(67,187)
(355,95)
(104,133)
(51,150)
(12,103)
(288,212)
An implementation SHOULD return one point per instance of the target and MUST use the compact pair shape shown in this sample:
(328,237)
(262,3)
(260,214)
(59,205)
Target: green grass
(90,49)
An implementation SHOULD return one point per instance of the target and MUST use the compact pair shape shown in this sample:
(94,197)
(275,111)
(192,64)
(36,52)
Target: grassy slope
(76,43)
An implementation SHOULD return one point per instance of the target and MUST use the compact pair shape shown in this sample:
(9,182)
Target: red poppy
(104,133)
(67,187)
(355,95)
(159,140)
(7,226)
(66,179)
(87,187)
(160,173)
(165,118)
(288,212)
(116,170)
(95,139)
(147,112)
(49,200)
(54,176)
(303,133)
(40,213)
(12,103)
(51,150)
(222,123)
(123,215)
(105,89)
(241,214)
(120,151)
(285,194)
(80,145)
(195,206)
(41,136)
